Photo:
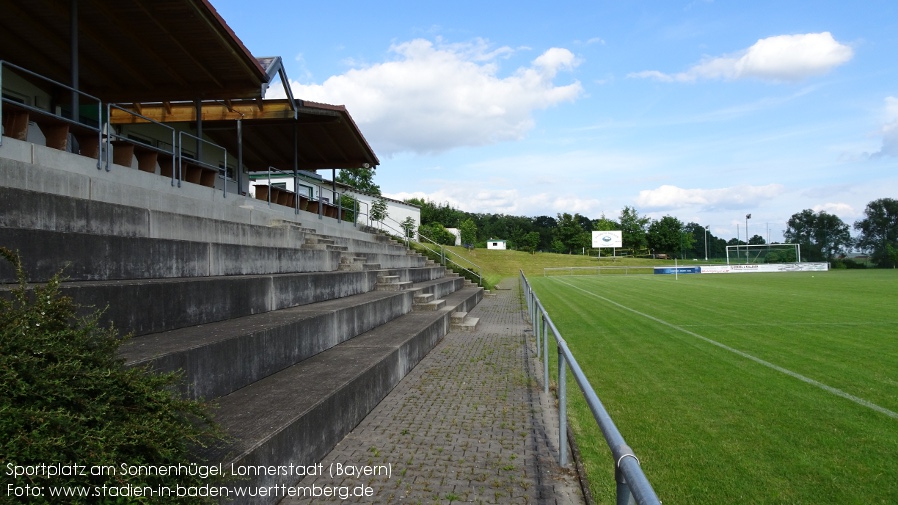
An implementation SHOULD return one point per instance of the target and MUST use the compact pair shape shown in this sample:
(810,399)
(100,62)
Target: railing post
(562,408)
(269,185)
(546,361)
(1,111)
(537,330)
(339,208)
(624,496)
(109,143)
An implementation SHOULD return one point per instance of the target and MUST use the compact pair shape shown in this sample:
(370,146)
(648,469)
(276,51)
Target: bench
(198,174)
(147,156)
(279,196)
(16,120)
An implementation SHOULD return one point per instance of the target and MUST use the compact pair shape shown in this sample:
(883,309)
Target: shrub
(66,399)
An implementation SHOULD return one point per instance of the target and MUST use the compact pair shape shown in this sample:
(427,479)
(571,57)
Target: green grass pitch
(740,388)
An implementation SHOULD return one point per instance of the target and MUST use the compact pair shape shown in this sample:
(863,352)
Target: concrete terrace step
(88,257)
(468,324)
(423,298)
(27,209)
(299,414)
(430,306)
(156,305)
(221,357)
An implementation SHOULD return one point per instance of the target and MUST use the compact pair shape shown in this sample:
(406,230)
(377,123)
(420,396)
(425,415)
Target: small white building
(495,244)
(457,233)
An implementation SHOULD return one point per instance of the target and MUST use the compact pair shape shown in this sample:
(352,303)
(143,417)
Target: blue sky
(703,110)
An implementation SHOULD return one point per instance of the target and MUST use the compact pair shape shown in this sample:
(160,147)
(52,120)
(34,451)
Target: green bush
(437,233)
(66,399)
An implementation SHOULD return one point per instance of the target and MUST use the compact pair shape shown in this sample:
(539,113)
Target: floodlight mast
(747,217)
(706,242)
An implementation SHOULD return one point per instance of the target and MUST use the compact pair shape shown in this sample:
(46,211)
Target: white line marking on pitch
(808,380)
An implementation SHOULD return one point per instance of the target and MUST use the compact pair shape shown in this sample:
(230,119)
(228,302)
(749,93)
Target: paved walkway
(467,425)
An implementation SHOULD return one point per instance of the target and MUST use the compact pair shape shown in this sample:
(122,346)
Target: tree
(879,231)
(438,233)
(633,229)
(757,240)
(66,397)
(545,226)
(468,231)
(360,179)
(408,226)
(698,234)
(604,224)
(569,233)
(529,242)
(820,234)
(668,235)
(378,211)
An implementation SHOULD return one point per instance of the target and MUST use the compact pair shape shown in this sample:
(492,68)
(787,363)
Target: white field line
(808,380)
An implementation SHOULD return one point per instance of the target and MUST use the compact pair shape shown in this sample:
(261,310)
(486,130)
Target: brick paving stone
(468,424)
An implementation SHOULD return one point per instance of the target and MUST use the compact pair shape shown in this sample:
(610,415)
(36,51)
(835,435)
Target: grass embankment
(497,265)
(743,388)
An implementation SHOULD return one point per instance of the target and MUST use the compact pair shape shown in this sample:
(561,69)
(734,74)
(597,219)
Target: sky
(699,109)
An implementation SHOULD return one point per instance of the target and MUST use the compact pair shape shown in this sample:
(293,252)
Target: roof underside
(325,135)
(132,50)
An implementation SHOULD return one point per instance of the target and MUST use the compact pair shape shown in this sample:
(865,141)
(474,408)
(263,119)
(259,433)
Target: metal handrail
(200,162)
(445,255)
(402,234)
(311,197)
(75,113)
(112,135)
(632,484)
(444,258)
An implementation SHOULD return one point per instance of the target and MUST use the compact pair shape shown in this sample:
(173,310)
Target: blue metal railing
(632,484)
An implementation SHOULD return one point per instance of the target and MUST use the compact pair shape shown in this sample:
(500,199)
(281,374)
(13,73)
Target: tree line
(821,235)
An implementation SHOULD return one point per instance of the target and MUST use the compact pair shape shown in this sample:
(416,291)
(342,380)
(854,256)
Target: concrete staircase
(294,326)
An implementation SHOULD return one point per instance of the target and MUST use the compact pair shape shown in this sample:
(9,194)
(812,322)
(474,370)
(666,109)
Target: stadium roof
(325,135)
(131,50)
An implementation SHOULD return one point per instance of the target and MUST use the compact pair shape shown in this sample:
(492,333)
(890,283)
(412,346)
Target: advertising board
(607,239)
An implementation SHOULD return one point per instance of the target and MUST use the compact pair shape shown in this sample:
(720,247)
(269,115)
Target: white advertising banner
(607,239)
(765,267)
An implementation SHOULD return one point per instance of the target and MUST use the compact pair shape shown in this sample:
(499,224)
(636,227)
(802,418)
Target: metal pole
(74,55)
(562,408)
(624,496)
(1,115)
(538,332)
(198,106)
(296,159)
(706,243)
(109,143)
(546,362)
(239,156)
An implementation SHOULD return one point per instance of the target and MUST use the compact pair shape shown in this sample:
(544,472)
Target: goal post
(763,253)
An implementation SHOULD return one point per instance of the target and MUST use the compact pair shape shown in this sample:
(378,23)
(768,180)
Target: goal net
(763,253)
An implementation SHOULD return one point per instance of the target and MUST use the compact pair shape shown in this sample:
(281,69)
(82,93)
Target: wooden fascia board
(211,111)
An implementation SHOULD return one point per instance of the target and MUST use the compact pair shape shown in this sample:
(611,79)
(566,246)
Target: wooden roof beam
(168,112)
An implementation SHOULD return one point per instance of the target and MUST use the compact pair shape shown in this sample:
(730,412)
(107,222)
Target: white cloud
(673,197)
(779,58)
(845,211)
(889,130)
(435,97)
(505,201)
